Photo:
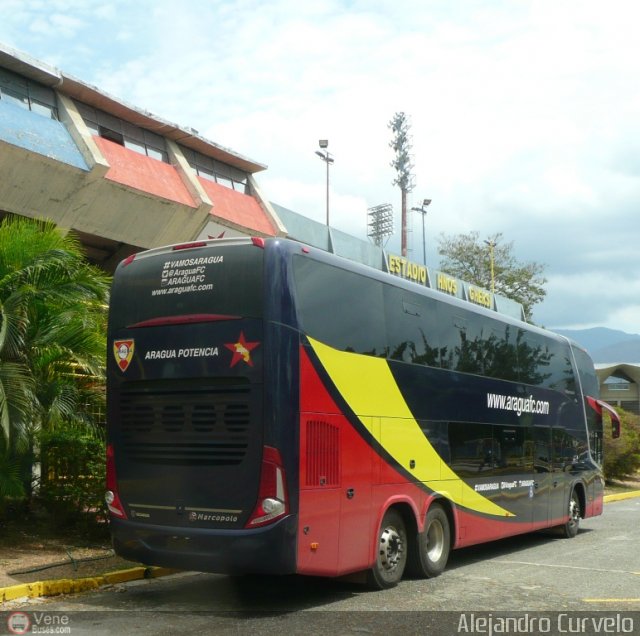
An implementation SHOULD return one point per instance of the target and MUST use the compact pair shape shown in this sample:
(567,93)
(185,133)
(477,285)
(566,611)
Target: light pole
(423,210)
(492,246)
(328,159)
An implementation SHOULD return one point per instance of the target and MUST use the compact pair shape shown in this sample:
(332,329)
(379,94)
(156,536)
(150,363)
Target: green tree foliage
(52,341)
(467,257)
(73,466)
(622,455)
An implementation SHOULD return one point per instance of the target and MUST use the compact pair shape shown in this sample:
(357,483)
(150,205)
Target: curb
(622,495)
(72,586)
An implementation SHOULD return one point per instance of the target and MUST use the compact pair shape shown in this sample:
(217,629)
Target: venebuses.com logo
(18,623)
(38,623)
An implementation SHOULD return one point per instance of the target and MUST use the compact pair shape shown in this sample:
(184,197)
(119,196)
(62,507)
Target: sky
(524,115)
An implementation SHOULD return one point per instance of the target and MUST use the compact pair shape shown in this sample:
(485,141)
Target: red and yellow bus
(273,408)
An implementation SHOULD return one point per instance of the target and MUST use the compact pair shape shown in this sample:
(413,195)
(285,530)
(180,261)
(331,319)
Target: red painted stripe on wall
(237,207)
(132,169)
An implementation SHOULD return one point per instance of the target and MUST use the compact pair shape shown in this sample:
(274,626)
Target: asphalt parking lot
(599,570)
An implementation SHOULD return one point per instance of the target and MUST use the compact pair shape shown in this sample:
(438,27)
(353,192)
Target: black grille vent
(174,424)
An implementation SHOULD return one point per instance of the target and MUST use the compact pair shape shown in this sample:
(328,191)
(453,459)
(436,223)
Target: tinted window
(501,353)
(450,336)
(340,308)
(438,435)
(487,347)
(223,280)
(352,312)
(587,374)
(482,449)
(474,451)
(513,449)
(569,447)
(591,387)
(411,326)
(545,362)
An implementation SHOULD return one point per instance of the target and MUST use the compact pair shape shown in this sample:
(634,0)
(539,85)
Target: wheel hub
(391,548)
(435,541)
(574,511)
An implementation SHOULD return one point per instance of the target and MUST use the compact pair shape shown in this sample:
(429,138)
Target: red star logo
(242,350)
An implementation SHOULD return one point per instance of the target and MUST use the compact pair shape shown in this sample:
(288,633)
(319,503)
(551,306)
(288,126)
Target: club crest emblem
(123,352)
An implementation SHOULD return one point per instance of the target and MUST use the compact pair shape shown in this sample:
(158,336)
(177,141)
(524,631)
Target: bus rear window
(222,280)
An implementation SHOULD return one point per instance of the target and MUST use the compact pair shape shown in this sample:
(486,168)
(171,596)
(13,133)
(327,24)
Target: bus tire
(432,546)
(391,552)
(571,527)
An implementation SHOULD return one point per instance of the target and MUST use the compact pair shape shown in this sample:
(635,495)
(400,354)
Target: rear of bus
(195,474)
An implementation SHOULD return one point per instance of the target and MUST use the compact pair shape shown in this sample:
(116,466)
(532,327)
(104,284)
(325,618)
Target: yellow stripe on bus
(369,388)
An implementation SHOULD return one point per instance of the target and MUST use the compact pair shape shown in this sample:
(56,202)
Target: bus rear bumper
(268,550)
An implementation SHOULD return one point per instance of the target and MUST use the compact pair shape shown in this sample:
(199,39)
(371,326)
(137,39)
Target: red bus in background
(273,408)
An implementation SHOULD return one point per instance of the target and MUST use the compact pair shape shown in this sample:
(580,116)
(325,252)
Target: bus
(273,408)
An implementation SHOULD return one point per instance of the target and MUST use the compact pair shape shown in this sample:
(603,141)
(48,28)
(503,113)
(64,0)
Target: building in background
(118,177)
(619,385)
(123,180)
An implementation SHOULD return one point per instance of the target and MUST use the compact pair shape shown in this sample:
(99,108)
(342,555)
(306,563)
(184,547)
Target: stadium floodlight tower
(326,156)
(380,223)
(423,210)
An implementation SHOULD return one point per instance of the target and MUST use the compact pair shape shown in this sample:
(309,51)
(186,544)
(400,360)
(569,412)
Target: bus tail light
(128,260)
(111,496)
(272,495)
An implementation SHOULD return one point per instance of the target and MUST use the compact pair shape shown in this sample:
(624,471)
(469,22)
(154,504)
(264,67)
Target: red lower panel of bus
(346,485)
(594,508)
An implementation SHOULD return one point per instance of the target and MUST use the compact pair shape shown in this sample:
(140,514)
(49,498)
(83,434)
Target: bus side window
(488,349)
(501,355)
(340,308)
(474,452)
(512,448)
(410,323)
(533,359)
(448,337)
(590,390)
(545,363)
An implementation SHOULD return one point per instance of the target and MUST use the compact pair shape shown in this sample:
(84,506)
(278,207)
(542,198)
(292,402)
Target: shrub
(622,455)
(73,474)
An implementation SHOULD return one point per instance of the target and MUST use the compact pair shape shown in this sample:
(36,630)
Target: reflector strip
(182,320)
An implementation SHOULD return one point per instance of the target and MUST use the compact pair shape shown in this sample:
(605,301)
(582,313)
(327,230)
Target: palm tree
(52,336)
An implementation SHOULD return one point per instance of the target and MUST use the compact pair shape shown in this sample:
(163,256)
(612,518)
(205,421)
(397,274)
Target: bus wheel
(391,555)
(432,546)
(570,529)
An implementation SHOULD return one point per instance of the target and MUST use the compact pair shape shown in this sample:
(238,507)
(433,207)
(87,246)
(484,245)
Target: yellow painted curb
(622,495)
(123,576)
(73,586)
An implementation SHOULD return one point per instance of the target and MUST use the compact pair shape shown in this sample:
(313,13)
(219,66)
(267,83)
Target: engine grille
(178,423)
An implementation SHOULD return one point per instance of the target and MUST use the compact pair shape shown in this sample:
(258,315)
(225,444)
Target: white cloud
(524,115)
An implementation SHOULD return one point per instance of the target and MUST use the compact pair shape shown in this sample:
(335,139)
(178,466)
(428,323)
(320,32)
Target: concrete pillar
(256,193)
(82,137)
